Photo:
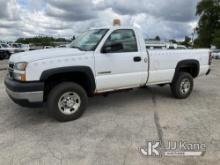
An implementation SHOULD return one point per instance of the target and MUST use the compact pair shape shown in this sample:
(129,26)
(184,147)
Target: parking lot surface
(113,127)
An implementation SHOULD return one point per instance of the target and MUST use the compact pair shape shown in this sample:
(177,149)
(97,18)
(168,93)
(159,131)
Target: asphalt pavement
(114,127)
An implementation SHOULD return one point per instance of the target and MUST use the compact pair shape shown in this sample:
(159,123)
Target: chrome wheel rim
(185,86)
(69,103)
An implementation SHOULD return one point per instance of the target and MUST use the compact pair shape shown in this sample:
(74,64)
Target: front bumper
(25,92)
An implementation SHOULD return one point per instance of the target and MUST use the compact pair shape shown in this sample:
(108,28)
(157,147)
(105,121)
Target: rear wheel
(67,101)
(182,85)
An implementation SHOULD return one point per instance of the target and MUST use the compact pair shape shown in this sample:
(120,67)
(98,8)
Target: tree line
(42,40)
(208,29)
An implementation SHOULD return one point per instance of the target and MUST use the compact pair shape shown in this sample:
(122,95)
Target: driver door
(119,65)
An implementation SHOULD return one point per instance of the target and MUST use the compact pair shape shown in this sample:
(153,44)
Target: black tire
(7,55)
(56,94)
(178,88)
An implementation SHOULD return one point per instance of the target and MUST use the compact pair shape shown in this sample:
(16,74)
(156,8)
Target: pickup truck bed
(163,63)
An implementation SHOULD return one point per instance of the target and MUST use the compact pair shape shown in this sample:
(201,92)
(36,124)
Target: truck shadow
(96,104)
(135,97)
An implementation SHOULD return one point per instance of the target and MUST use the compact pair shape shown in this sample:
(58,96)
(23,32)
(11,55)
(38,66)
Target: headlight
(21,66)
(19,71)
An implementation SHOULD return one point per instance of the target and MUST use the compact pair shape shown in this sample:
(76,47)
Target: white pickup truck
(99,61)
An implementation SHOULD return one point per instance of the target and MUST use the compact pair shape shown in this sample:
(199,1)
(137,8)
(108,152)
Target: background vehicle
(181,47)
(100,61)
(3,54)
(48,47)
(216,54)
(152,45)
(25,47)
(6,51)
(155,45)
(62,46)
(20,47)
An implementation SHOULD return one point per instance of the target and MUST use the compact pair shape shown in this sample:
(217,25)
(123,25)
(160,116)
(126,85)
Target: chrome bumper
(32,97)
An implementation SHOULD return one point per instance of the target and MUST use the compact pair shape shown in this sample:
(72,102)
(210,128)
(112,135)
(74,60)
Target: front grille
(11,65)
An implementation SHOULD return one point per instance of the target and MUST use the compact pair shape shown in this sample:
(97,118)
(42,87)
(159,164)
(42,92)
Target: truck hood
(36,55)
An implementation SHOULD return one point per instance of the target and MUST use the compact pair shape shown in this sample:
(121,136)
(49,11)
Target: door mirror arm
(106,49)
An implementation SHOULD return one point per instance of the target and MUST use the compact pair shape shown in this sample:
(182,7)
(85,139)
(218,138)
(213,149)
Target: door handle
(137,59)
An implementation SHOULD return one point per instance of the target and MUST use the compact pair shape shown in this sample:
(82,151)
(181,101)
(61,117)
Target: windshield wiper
(77,48)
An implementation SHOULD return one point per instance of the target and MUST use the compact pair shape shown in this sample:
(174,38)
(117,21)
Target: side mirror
(115,47)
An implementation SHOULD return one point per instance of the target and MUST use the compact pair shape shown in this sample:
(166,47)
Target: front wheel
(67,101)
(182,85)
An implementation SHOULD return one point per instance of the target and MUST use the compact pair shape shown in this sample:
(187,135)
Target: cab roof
(113,27)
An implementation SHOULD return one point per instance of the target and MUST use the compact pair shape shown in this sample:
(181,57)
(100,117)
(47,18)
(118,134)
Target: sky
(169,19)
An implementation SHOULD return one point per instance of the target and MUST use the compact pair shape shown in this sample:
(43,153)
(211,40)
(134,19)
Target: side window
(121,41)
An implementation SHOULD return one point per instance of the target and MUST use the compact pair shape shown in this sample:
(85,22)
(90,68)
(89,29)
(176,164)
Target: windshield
(17,45)
(89,40)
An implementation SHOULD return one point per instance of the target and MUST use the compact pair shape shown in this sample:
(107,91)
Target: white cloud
(168,19)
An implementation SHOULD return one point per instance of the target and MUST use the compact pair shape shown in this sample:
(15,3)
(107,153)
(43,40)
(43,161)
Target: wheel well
(78,77)
(188,66)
